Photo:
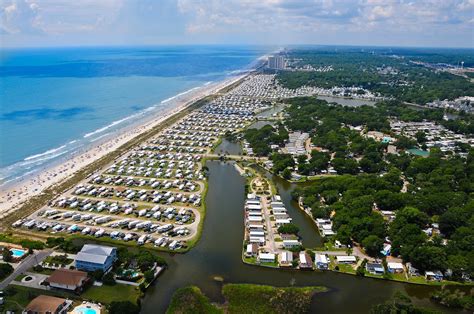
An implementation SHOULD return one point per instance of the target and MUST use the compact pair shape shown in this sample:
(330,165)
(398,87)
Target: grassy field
(249,298)
(108,294)
(191,300)
(245,298)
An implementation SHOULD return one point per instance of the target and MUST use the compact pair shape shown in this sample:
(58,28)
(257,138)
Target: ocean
(56,101)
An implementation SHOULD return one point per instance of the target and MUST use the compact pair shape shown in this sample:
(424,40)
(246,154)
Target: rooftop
(44,304)
(67,277)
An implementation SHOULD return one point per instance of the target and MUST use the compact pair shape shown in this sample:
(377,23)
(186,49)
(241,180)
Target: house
(387,248)
(286,259)
(291,243)
(67,279)
(251,250)
(322,261)
(395,268)
(305,261)
(343,259)
(266,257)
(434,275)
(96,257)
(43,304)
(339,245)
(374,268)
(412,270)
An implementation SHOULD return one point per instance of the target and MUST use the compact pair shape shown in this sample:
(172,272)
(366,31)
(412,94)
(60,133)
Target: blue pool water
(17,253)
(54,102)
(84,310)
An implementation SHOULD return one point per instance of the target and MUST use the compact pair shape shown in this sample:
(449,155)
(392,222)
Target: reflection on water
(261,124)
(218,253)
(227,147)
(347,101)
(270,112)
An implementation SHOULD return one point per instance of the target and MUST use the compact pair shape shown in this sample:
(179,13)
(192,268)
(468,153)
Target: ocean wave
(102,136)
(51,151)
(180,94)
(35,161)
(17,177)
(108,126)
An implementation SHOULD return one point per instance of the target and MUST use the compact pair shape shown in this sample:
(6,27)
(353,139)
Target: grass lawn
(107,294)
(245,298)
(20,277)
(249,298)
(250,260)
(191,300)
(17,297)
(346,268)
(44,271)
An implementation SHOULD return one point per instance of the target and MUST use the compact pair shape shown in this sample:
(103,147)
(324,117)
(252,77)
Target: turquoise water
(54,102)
(84,310)
(17,252)
(419,152)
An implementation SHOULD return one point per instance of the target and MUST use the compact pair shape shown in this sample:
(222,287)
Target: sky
(41,23)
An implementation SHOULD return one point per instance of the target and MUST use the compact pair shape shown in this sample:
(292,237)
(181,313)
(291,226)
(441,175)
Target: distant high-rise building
(276,62)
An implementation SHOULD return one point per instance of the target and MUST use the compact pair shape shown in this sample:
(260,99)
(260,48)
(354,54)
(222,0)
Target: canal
(218,254)
(228,148)
(350,102)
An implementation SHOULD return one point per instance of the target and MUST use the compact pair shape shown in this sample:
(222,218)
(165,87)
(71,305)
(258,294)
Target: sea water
(56,101)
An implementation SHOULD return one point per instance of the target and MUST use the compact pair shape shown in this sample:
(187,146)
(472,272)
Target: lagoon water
(218,254)
(56,101)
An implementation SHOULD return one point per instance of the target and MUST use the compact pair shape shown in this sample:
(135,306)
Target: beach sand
(12,197)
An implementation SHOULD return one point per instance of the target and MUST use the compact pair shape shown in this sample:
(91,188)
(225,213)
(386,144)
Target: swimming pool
(17,253)
(85,310)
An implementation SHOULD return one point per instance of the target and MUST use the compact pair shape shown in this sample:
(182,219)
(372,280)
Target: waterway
(228,147)
(351,102)
(270,112)
(218,253)
(260,124)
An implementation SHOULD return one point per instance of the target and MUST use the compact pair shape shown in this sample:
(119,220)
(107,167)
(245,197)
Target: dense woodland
(404,80)
(431,198)
(439,189)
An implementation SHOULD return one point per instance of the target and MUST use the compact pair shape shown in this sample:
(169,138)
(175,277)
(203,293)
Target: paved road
(268,223)
(27,263)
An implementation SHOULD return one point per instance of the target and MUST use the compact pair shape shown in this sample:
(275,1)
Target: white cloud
(56,16)
(259,21)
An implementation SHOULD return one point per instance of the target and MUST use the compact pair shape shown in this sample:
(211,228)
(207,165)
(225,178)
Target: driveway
(27,263)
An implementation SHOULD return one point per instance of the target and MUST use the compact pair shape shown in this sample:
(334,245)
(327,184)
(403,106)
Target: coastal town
(75,251)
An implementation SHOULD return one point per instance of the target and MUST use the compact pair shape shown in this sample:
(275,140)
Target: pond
(271,112)
(228,147)
(218,255)
(260,124)
(351,102)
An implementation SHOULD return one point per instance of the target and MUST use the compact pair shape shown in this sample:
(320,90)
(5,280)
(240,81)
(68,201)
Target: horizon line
(231,45)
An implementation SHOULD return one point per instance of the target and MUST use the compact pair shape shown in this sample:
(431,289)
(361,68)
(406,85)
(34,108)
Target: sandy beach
(15,195)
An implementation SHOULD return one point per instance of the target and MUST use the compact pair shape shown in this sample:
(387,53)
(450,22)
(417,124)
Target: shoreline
(15,195)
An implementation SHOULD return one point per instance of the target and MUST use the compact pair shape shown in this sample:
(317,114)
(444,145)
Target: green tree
(97,274)
(7,255)
(428,257)
(149,275)
(123,307)
(286,174)
(5,270)
(372,245)
(108,279)
(288,229)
